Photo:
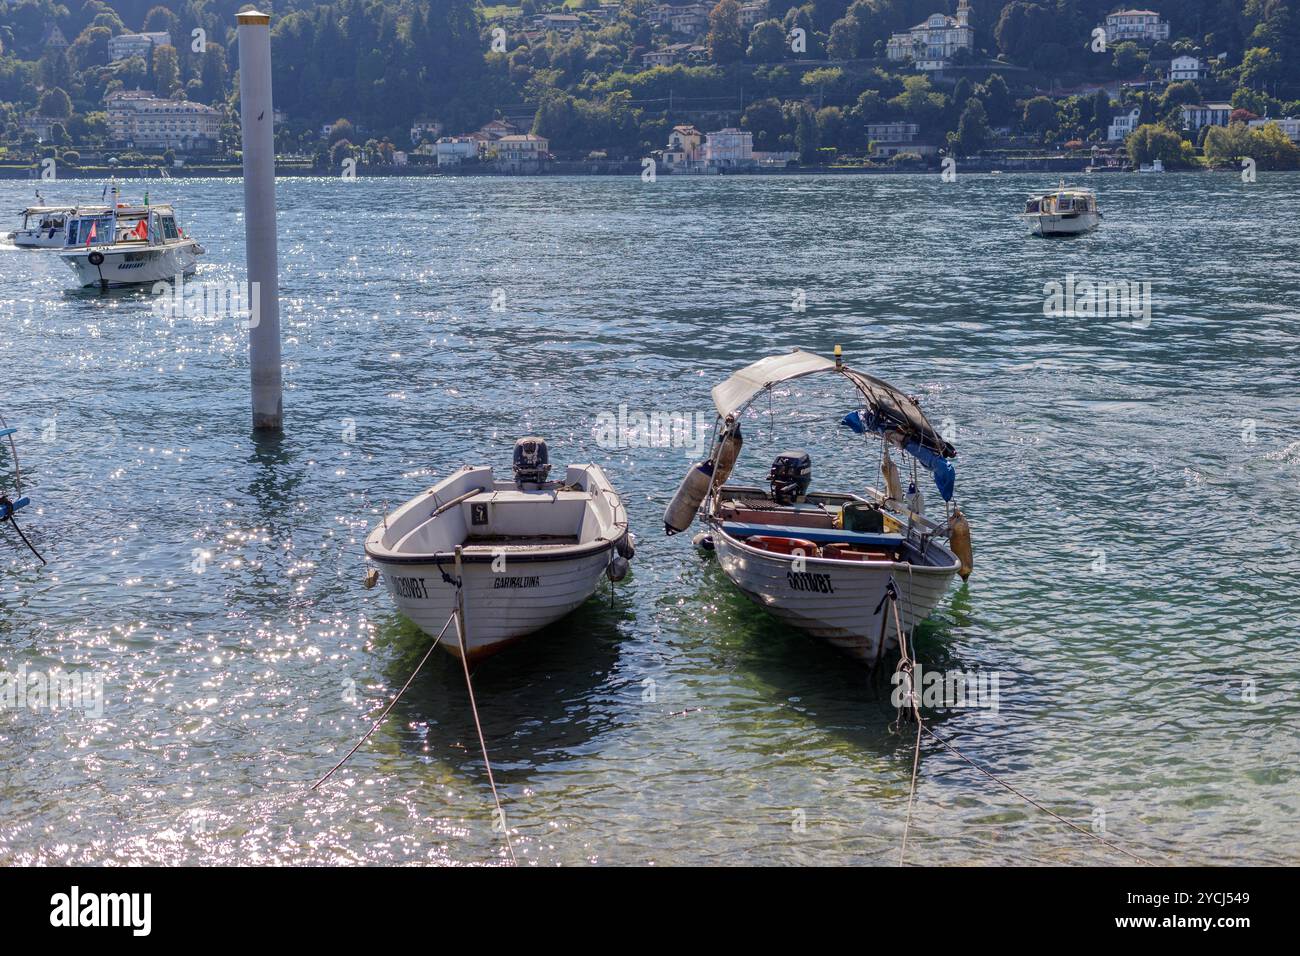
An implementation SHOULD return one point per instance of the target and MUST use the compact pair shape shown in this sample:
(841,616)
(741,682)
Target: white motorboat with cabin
(43,227)
(1064,212)
(827,562)
(127,245)
(527,551)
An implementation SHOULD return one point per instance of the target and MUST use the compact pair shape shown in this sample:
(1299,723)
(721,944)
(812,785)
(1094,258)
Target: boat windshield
(168,224)
(80,228)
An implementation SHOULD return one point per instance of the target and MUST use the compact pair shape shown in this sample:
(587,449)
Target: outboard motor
(790,476)
(532,461)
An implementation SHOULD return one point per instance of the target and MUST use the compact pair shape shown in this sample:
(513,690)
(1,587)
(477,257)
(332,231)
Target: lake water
(1131,484)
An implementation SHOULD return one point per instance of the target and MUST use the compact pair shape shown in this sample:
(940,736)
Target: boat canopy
(738,391)
(888,408)
(888,412)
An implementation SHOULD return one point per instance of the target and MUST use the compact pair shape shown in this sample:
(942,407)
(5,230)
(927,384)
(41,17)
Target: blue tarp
(945,476)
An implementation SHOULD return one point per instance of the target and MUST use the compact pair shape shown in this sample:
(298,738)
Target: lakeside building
(1289,125)
(454,150)
(1122,124)
(933,44)
(675,53)
(1200,115)
(685,149)
(497,129)
(522,152)
(127,45)
(1186,68)
(729,148)
(421,128)
(139,119)
(888,139)
(1142,26)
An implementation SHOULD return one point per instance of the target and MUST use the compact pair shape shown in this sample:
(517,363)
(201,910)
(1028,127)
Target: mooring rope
(906,665)
(482,742)
(391,703)
(18,490)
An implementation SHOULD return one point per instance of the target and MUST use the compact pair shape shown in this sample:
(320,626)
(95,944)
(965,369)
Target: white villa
(522,152)
(454,150)
(1186,68)
(728,148)
(931,45)
(127,45)
(1123,124)
(1201,115)
(140,119)
(1140,25)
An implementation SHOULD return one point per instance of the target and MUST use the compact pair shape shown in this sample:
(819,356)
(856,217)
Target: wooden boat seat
(480,544)
(830,536)
(799,518)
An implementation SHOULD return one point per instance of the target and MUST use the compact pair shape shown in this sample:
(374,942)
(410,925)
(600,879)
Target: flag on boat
(90,236)
(141,230)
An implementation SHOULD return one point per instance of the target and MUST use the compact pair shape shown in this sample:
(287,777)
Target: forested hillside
(1034,74)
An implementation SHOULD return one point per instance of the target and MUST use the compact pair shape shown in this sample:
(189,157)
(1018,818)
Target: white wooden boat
(530,550)
(825,561)
(1064,212)
(128,245)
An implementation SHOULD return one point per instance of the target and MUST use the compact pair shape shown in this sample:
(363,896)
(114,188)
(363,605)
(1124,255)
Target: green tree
(166,71)
(998,103)
(55,103)
(1040,114)
(766,120)
(805,137)
(767,43)
(725,41)
(1152,141)
(972,130)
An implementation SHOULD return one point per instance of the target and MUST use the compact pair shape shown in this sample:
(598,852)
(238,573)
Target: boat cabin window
(79,229)
(168,227)
(1033,205)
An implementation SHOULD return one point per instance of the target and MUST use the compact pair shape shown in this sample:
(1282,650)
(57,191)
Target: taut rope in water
(458,617)
(906,665)
(390,706)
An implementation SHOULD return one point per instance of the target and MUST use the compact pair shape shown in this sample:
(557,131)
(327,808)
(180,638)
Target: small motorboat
(127,245)
(827,562)
(527,550)
(43,227)
(1065,212)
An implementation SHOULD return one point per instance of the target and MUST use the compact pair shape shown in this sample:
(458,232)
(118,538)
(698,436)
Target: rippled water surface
(1132,489)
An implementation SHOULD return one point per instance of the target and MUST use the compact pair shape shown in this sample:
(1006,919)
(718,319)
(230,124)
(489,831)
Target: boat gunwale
(842,562)
(603,487)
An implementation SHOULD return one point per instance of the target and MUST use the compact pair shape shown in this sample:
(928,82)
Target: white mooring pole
(257,125)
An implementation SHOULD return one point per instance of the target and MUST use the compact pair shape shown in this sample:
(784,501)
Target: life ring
(96,258)
(783,545)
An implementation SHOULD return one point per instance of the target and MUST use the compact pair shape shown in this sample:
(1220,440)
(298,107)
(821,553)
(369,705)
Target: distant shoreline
(29,174)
